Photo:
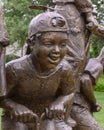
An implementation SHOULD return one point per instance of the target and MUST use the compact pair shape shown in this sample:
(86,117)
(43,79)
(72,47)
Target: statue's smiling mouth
(54,58)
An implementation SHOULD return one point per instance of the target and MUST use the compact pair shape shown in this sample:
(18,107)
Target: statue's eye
(63,44)
(48,44)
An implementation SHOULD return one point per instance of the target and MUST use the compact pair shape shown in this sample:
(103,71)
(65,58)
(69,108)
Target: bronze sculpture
(40,86)
(82,21)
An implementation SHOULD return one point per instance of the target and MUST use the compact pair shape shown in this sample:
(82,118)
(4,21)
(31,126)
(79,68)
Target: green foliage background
(97,42)
(100,115)
(11,57)
(100,84)
(18,15)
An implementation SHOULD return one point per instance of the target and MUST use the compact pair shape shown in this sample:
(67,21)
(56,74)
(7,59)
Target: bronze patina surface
(40,85)
(51,87)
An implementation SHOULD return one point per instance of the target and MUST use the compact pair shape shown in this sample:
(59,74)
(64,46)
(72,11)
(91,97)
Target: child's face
(50,49)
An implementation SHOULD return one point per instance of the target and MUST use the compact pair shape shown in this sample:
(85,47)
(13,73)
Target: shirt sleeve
(94,68)
(85,6)
(10,78)
(67,83)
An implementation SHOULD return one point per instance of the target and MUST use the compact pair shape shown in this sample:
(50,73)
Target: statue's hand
(92,23)
(4,41)
(56,110)
(21,113)
(97,107)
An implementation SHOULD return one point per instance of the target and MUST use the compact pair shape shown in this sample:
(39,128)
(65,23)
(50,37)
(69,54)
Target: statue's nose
(56,49)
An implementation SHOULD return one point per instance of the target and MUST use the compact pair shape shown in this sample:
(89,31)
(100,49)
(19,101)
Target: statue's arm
(11,82)
(18,111)
(84,6)
(67,88)
(88,92)
(65,96)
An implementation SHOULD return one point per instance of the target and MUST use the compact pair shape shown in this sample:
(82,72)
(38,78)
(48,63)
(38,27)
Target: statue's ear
(31,42)
(28,41)
(29,47)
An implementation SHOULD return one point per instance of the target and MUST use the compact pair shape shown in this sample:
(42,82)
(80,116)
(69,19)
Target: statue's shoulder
(18,64)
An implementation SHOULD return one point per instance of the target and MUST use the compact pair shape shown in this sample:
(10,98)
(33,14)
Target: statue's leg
(84,119)
(87,89)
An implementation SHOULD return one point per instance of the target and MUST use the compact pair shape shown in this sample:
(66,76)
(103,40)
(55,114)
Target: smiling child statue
(40,85)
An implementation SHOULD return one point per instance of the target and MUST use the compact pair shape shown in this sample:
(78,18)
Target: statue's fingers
(15,116)
(50,114)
